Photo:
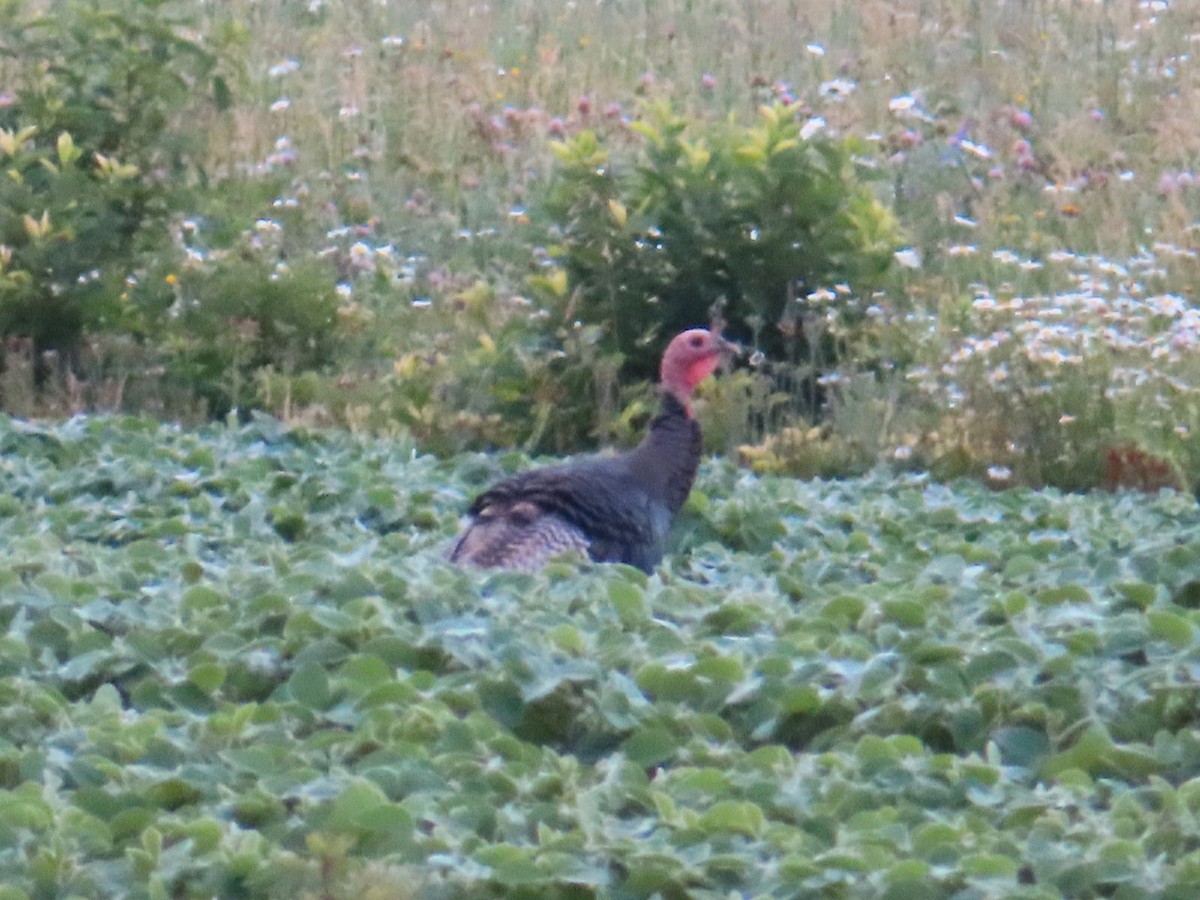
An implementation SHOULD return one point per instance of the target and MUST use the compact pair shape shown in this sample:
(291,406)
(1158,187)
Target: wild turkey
(613,508)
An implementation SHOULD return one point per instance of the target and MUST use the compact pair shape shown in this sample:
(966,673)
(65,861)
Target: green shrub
(464,374)
(64,221)
(239,316)
(93,159)
(744,221)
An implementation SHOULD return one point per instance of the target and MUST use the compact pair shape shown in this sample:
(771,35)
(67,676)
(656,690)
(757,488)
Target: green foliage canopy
(743,220)
(93,157)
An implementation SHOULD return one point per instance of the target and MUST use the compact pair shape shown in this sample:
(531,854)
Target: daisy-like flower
(285,67)
(362,258)
(979,151)
(813,126)
(838,88)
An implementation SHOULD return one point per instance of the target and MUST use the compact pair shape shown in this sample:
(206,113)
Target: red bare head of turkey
(691,357)
(615,508)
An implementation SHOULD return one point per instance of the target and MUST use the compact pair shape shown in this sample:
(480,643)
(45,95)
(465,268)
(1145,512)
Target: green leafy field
(236,665)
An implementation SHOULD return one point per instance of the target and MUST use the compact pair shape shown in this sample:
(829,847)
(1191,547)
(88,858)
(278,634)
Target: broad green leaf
(309,686)
(1170,627)
(1020,567)
(629,601)
(1065,593)
(568,639)
(199,598)
(650,746)
(510,865)
(908,613)
(1097,754)
(1139,593)
(208,677)
(734,817)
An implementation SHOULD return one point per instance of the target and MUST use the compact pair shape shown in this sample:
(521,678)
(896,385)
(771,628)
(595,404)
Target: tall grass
(408,143)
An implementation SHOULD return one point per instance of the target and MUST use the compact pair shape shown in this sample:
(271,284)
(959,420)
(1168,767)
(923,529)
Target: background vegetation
(954,235)
(961,235)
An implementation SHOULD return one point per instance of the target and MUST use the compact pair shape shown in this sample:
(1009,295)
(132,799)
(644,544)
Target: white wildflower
(838,88)
(979,151)
(362,258)
(813,126)
(284,67)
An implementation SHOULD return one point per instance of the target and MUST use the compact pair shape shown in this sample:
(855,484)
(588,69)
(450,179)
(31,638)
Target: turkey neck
(668,456)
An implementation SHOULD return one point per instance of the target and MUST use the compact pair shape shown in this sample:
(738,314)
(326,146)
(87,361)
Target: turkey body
(614,508)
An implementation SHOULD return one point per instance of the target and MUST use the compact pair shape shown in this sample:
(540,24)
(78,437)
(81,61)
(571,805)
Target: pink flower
(1023,151)
(584,105)
(708,81)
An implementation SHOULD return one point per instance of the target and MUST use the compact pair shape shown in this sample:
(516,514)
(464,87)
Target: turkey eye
(697,341)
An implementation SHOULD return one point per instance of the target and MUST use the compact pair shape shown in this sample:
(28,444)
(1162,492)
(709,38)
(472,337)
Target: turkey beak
(729,349)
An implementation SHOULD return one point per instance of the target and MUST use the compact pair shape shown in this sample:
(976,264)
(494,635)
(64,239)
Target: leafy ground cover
(235,664)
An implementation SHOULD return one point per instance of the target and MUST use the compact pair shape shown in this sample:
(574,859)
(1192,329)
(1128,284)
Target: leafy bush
(94,160)
(239,317)
(65,221)
(744,221)
(464,370)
